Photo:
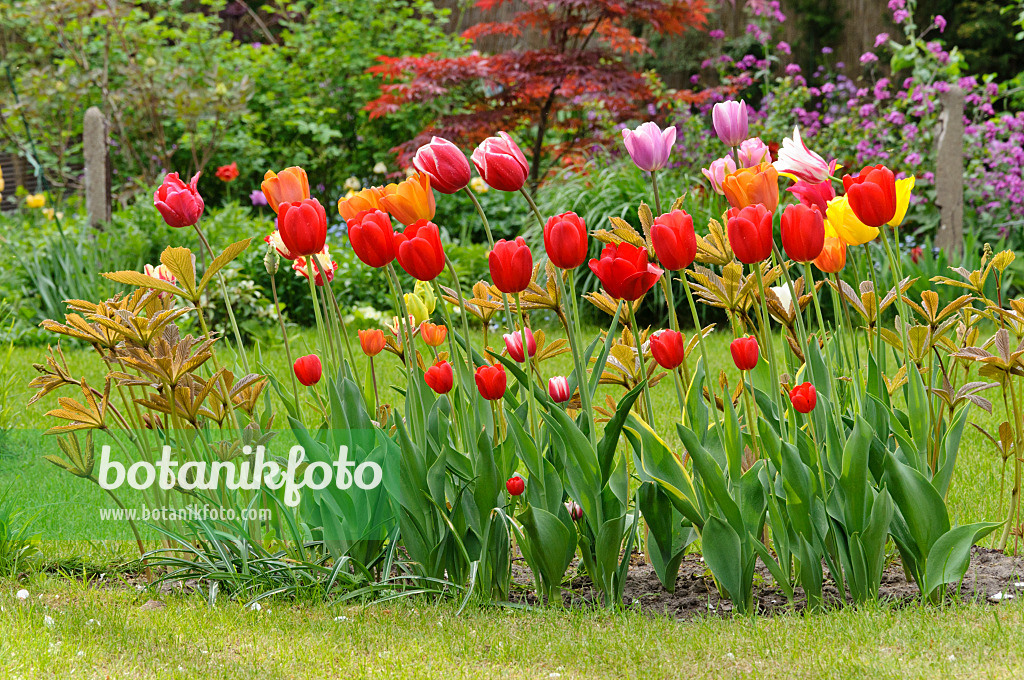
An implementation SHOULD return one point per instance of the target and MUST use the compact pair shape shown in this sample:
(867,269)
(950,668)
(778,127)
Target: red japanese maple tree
(561,92)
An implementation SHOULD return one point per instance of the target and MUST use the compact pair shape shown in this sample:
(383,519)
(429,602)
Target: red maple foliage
(562,93)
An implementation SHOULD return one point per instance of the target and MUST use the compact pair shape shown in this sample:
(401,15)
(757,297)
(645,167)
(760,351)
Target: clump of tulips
(809,462)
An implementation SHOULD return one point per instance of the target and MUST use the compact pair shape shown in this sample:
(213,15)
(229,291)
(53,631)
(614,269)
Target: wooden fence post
(949,172)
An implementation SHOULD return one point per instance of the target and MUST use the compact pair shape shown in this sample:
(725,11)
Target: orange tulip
(372,341)
(833,255)
(433,334)
(410,200)
(290,186)
(351,205)
(748,186)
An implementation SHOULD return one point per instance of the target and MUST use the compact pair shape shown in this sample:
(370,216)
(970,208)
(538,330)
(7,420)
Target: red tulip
(433,334)
(372,237)
(514,345)
(227,173)
(872,195)
(558,388)
(445,164)
(180,204)
(804,397)
(668,349)
(440,377)
(575,511)
(916,253)
(744,352)
(803,232)
(308,369)
(372,341)
(491,382)
(750,233)
(515,485)
(565,240)
(675,242)
(511,265)
(419,252)
(501,163)
(625,272)
(303,226)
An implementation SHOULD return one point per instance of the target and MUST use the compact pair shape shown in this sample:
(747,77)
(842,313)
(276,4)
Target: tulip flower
(289,186)
(804,397)
(872,195)
(744,352)
(160,272)
(303,226)
(491,382)
(718,170)
(478,185)
(916,253)
(36,201)
(410,200)
(730,122)
(558,388)
(372,341)
(515,485)
(750,233)
(501,163)
(844,222)
(833,254)
(433,334)
(625,272)
(308,369)
(668,349)
(903,189)
(323,263)
(797,160)
(514,345)
(752,152)
(574,510)
(511,264)
(372,238)
(444,163)
(565,240)
(1,180)
(258,198)
(803,232)
(417,308)
(275,240)
(419,252)
(440,377)
(356,202)
(753,185)
(180,204)
(649,146)
(227,173)
(810,194)
(674,240)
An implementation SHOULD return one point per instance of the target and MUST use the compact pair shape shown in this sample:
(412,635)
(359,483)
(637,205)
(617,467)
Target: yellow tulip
(1,179)
(840,217)
(903,189)
(35,200)
(426,293)
(410,200)
(417,308)
(289,186)
(355,202)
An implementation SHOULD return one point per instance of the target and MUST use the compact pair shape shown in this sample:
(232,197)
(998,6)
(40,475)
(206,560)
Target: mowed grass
(103,631)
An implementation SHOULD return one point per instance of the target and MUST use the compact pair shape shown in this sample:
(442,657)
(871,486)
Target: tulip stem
(343,327)
(480,212)
(795,300)
(879,347)
(408,350)
(227,301)
(463,314)
(316,306)
(751,414)
(643,368)
(673,320)
(575,345)
(657,196)
(284,336)
(526,358)
(703,350)
(766,334)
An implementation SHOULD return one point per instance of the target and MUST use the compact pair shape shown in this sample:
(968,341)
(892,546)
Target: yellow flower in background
(478,185)
(35,200)
(1,179)
(426,293)
(903,189)
(380,168)
(353,184)
(417,308)
(842,219)
(49,214)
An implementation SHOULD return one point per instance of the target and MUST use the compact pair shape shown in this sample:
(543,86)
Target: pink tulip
(814,195)
(717,172)
(180,204)
(501,163)
(514,344)
(558,388)
(797,160)
(730,121)
(649,146)
(753,152)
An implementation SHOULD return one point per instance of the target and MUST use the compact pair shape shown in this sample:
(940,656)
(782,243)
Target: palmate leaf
(133,278)
(182,263)
(221,261)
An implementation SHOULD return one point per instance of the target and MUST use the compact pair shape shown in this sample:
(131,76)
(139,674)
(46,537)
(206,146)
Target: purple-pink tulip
(753,152)
(649,146)
(717,172)
(180,204)
(730,121)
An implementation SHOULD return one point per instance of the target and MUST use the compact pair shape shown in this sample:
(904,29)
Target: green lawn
(417,638)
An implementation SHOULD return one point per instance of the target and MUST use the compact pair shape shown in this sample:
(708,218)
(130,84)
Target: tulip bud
(410,200)
(308,369)
(515,485)
(424,291)
(833,255)
(744,352)
(417,310)
(440,377)
(491,382)
(272,260)
(303,226)
(433,334)
(511,265)
(675,242)
(501,163)
(624,271)
(803,232)
(558,388)
(872,195)
(804,397)
(750,233)
(372,341)
(444,163)
(753,185)
(730,122)
(565,240)
(290,186)
(752,152)
(717,172)
(649,146)
(575,511)
(419,252)
(668,349)
(514,345)
(180,204)
(372,238)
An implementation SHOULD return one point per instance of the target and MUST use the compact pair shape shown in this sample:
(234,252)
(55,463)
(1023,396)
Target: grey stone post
(97,168)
